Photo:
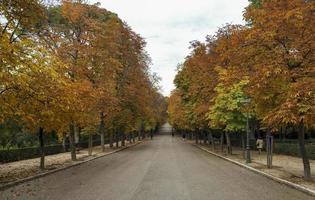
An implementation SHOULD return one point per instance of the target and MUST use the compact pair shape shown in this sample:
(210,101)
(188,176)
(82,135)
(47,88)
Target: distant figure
(259,144)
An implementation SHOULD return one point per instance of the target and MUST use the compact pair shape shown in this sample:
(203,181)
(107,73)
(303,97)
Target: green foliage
(255,3)
(13,136)
(227,111)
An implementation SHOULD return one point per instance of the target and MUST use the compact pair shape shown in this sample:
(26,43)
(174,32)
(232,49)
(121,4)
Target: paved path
(163,169)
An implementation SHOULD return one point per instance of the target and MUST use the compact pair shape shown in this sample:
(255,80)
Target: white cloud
(169,25)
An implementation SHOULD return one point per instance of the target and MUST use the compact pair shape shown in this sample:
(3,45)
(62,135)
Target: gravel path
(285,167)
(14,171)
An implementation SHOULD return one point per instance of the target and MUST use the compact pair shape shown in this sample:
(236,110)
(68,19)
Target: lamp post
(248,158)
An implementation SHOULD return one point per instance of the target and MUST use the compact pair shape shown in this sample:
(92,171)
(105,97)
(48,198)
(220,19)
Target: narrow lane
(161,169)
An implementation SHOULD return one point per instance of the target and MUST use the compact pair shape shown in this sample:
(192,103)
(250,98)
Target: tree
(282,84)
(86,34)
(15,44)
(227,112)
(74,66)
(273,54)
(176,112)
(32,78)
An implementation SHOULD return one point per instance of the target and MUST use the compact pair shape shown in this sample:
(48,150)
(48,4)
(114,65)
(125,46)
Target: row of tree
(264,70)
(70,65)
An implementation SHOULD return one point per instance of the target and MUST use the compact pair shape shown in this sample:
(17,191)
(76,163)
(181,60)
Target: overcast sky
(169,25)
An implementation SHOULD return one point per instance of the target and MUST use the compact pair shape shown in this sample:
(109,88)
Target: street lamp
(248,159)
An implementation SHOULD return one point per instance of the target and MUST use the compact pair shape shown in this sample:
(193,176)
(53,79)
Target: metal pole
(248,159)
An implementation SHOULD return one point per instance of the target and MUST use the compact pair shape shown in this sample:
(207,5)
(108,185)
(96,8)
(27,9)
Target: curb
(20,181)
(279,180)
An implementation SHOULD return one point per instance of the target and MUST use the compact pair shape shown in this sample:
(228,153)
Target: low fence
(285,147)
(27,153)
(11,155)
(281,146)
(292,149)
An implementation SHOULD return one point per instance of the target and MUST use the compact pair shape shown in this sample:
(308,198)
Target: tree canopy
(270,61)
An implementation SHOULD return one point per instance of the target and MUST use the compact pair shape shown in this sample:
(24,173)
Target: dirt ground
(25,168)
(286,167)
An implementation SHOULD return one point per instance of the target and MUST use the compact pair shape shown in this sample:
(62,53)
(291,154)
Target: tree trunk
(196,136)
(228,142)
(111,137)
(77,131)
(64,147)
(139,135)
(133,138)
(117,139)
(123,138)
(103,141)
(211,139)
(72,142)
(41,147)
(306,162)
(205,137)
(143,135)
(222,141)
(102,131)
(269,148)
(90,144)
(129,138)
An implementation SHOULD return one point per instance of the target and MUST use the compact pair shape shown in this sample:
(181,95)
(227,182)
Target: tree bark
(211,139)
(228,142)
(123,138)
(111,137)
(139,135)
(117,139)
(64,142)
(72,142)
(102,131)
(103,141)
(133,137)
(77,131)
(306,162)
(130,138)
(269,147)
(222,141)
(196,136)
(41,147)
(90,144)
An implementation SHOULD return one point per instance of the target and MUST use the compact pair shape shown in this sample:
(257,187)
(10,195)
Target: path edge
(274,178)
(20,181)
